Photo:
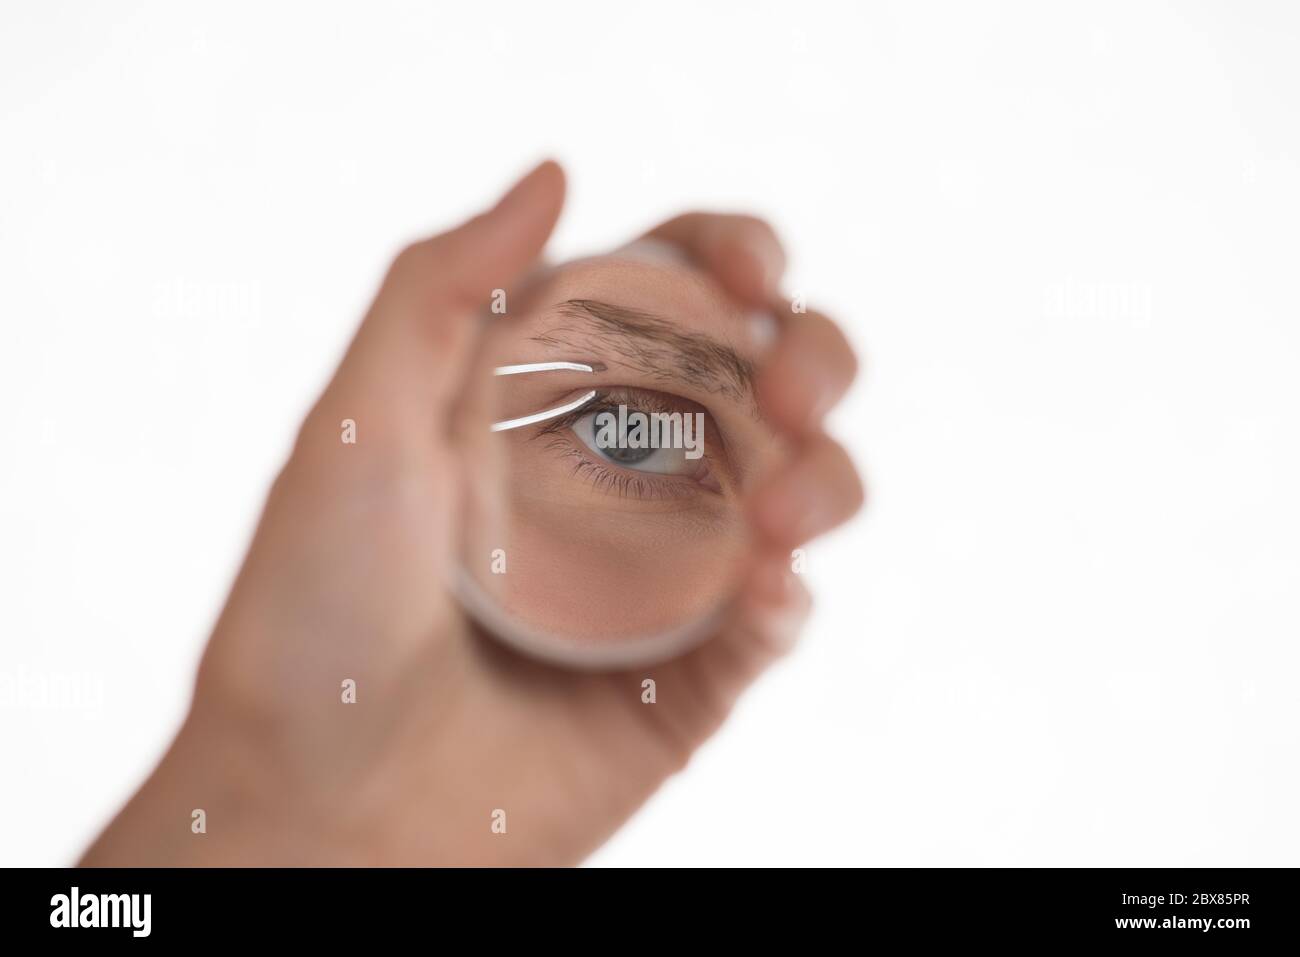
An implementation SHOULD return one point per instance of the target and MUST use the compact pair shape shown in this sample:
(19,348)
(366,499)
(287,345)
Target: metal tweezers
(545,414)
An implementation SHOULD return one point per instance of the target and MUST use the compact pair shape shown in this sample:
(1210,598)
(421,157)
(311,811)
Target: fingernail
(762,328)
(783,635)
(650,250)
(818,389)
(770,261)
(780,621)
(823,400)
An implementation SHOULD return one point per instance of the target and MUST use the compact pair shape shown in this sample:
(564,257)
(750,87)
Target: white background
(1062,236)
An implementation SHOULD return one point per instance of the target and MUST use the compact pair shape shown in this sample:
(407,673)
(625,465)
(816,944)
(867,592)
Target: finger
(741,252)
(816,490)
(763,624)
(770,612)
(407,362)
(807,370)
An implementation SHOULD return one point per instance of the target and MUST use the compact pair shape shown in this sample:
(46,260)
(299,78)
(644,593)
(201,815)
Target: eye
(637,440)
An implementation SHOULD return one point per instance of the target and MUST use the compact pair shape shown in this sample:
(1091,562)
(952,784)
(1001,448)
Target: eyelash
(623,482)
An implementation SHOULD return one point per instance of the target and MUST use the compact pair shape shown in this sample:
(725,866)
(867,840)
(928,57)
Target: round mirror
(609,528)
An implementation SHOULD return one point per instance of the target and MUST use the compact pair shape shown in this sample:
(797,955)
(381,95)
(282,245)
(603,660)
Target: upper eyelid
(567,421)
(603,400)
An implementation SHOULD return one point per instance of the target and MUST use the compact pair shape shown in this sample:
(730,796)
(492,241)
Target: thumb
(405,365)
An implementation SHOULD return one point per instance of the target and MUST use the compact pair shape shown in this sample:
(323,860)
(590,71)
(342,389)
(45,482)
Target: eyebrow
(652,345)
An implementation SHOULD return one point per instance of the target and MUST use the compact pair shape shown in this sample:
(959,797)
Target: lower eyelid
(671,486)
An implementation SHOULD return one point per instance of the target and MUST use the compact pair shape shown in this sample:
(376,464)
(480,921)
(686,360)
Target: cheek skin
(604,580)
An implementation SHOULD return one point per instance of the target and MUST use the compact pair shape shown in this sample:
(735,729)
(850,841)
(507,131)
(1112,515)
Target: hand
(342,582)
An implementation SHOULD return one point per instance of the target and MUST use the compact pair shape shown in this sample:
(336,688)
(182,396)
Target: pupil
(627,456)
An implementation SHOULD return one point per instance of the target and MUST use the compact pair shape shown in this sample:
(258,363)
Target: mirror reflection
(626,430)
